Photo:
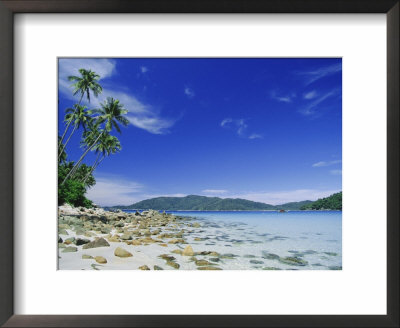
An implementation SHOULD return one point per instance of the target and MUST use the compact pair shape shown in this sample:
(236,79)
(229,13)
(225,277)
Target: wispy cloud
(111,190)
(311,108)
(240,127)
(282,98)
(326,163)
(255,136)
(189,92)
(319,73)
(141,115)
(226,121)
(143,69)
(310,95)
(215,191)
(335,172)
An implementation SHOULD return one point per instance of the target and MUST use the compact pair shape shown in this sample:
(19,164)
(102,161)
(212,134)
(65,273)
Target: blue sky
(262,129)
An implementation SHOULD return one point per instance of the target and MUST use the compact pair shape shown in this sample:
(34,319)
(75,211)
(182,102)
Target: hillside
(203,203)
(333,202)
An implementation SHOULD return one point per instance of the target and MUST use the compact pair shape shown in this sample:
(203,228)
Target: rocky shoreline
(90,231)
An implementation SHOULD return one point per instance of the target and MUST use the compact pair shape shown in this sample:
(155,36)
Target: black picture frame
(10,7)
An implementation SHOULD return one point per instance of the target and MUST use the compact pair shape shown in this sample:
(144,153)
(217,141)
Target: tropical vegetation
(333,202)
(95,126)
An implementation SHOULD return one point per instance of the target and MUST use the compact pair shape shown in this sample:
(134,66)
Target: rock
(214,259)
(256,262)
(81,241)
(99,242)
(269,256)
(249,256)
(293,261)
(114,239)
(64,226)
(70,249)
(271,268)
(60,240)
(61,246)
(120,252)
(144,267)
(196,225)
(62,232)
(176,241)
(335,268)
(136,243)
(202,263)
(188,251)
(87,257)
(208,268)
(177,251)
(167,257)
(126,236)
(69,241)
(173,264)
(331,253)
(100,259)
(156,267)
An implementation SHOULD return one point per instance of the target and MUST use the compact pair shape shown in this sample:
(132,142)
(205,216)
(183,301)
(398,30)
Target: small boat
(282,211)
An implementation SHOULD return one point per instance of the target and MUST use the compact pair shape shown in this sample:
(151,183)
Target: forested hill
(333,202)
(203,203)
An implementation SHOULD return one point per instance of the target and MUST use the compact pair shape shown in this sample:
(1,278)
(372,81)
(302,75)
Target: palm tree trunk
(69,123)
(93,168)
(65,145)
(81,159)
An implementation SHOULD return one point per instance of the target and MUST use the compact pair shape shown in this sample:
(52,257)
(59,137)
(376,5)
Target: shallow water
(263,240)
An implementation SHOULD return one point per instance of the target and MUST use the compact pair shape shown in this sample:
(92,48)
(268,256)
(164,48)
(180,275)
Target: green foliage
(203,203)
(333,202)
(73,190)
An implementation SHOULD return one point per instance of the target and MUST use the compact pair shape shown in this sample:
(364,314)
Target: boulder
(208,268)
(120,252)
(87,257)
(202,263)
(100,259)
(99,242)
(173,264)
(81,241)
(156,267)
(188,251)
(70,249)
(144,267)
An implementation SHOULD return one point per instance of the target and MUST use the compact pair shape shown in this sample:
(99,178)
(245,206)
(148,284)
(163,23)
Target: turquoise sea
(294,240)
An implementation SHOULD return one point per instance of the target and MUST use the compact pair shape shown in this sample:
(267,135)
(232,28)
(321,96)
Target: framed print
(187,164)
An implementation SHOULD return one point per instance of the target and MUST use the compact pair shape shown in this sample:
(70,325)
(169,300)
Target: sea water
(269,240)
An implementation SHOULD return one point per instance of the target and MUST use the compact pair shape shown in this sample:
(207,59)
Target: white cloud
(255,136)
(310,95)
(143,69)
(286,98)
(111,190)
(141,115)
(326,163)
(189,92)
(152,124)
(310,109)
(214,191)
(312,76)
(240,127)
(226,121)
(335,172)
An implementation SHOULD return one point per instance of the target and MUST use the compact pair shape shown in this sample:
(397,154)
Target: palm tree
(84,84)
(80,116)
(110,114)
(106,146)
